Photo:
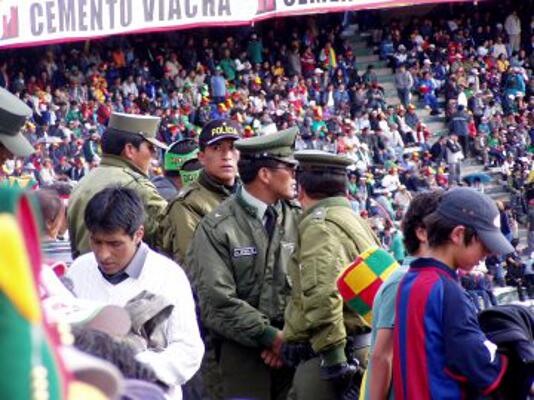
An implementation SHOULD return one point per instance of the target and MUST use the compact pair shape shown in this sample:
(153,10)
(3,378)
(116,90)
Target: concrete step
(359,44)
(436,128)
(363,52)
(370,59)
(386,78)
(427,118)
(383,71)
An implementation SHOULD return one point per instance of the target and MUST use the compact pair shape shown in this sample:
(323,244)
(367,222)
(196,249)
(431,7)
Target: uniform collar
(255,205)
(424,262)
(212,185)
(326,203)
(111,160)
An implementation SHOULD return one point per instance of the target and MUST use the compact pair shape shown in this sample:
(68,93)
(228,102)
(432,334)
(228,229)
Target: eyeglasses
(292,169)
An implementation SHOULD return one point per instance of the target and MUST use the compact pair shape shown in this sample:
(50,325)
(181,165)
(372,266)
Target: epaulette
(216,217)
(185,191)
(319,214)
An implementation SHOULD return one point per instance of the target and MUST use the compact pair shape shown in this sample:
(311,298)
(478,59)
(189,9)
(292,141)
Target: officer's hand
(345,377)
(276,347)
(271,359)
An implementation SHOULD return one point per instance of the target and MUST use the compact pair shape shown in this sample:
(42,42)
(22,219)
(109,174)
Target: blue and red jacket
(440,351)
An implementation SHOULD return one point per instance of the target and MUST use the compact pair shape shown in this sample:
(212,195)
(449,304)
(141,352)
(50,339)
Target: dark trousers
(245,375)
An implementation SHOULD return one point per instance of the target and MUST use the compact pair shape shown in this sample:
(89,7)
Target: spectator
(460,233)
(380,369)
(454,159)
(218,86)
(404,83)
(512,26)
(120,267)
(458,125)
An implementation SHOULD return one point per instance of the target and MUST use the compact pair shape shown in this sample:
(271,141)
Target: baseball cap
(13,116)
(469,207)
(219,129)
(179,153)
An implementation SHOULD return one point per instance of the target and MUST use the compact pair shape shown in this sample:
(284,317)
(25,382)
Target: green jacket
(113,170)
(331,236)
(239,275)
(184,213)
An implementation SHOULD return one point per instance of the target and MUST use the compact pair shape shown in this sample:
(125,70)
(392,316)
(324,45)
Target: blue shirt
(439,349)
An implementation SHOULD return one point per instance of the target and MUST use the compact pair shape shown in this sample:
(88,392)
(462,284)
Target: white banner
(38,22)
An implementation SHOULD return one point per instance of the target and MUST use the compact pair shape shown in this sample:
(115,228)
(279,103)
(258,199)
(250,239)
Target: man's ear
(128,151)
(421,234)
(264,175)
(457,235)
(139,234)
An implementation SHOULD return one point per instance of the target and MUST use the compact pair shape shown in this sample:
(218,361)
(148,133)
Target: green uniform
(113,170)
(331,236)
(238,260)
(185,212)
(242,285)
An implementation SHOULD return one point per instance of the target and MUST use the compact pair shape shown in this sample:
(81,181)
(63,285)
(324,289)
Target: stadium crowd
(479,65)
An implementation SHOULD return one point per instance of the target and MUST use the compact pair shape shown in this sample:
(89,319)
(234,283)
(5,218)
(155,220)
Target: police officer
(238,259)
(13,116)
(128,145)
(216,182)
(323,337)
(180,168)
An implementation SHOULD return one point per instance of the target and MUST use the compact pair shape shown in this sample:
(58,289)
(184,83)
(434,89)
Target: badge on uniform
(244,252)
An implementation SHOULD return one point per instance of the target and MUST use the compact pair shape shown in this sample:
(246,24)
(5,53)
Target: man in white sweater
(121,266)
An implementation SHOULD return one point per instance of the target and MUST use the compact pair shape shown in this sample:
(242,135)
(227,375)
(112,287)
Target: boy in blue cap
(440,351)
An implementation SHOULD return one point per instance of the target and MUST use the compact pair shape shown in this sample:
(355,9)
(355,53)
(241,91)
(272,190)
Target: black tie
(115,278)
(270,220)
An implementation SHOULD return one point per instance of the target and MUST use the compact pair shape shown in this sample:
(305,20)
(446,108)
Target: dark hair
(113,209)
(104,346)
(248,168)
(421,206)
(322,184)
(50,204)
(61,188)
(113,141)
(439,228)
